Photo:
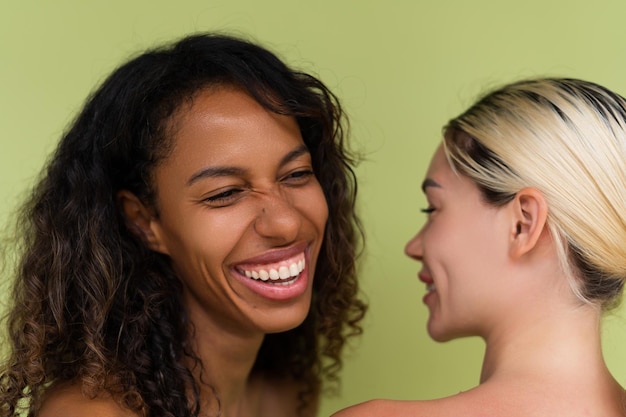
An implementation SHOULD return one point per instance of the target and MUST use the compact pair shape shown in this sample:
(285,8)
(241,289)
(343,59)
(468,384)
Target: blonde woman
(525,246)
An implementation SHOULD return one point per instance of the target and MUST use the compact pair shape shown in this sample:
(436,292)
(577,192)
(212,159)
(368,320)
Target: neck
(559,356)
(562,342)
(227,359)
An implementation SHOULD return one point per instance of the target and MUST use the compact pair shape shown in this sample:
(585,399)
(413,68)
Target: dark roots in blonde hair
(92,305)
(549,126)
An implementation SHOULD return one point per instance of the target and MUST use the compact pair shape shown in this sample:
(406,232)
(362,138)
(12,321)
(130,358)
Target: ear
(140,220)
(529,216)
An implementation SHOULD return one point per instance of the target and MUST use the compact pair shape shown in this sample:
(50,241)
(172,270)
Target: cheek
(204,241)
(442,236)
(450,248)
(313,206)
(471,254)
(321,209)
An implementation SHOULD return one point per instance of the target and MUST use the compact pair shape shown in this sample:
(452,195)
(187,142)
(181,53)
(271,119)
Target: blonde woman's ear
(140,220)
(529,217)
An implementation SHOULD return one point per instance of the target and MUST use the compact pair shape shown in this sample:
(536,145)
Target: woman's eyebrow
(212,172)
(300,150)
(225,171)
(429,182)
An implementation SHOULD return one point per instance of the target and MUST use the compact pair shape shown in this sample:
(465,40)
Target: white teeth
(282,272)
(430,287)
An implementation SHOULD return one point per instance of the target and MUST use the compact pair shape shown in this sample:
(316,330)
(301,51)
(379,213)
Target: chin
(439,337)
(282,327)
(282,320)
(439,333)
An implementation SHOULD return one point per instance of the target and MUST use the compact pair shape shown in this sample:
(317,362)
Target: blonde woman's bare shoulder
(460,404)
(68,400)
(512,400)
(371,408)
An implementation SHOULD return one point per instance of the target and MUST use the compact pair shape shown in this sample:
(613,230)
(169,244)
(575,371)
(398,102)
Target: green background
(402,69)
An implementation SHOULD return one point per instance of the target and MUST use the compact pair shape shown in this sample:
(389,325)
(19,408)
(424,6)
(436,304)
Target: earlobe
(141,221)
(530,213)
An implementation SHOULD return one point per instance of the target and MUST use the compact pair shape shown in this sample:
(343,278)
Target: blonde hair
(567,139)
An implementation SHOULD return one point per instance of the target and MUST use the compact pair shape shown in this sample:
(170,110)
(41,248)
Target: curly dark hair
(92,304)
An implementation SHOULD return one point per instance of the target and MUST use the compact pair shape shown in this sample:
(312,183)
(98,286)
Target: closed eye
(223,198)
(427,210)
(298,177)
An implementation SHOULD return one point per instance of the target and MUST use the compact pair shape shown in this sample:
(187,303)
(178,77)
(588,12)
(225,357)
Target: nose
(414,248)
(278,218)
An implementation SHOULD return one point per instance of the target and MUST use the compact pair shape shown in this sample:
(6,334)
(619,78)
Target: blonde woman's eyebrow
(429,182)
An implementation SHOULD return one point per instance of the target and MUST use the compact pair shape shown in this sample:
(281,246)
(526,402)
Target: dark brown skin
(264,397)
(266,209)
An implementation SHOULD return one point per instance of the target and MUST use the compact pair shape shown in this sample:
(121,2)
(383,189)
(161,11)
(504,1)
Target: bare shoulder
(461,404)
(495,400)
(371,408)
(68,400)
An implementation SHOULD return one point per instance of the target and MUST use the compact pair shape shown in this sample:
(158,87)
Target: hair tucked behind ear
(566,138)
(91,304)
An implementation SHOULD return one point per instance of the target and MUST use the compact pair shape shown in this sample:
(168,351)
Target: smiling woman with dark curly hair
(190,247)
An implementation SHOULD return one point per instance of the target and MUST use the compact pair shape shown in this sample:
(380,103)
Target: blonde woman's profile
(524,245)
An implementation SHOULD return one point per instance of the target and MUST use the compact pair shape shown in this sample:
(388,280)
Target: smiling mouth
(280,273)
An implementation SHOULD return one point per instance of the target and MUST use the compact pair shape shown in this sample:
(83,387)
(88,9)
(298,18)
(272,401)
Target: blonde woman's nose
(413,248)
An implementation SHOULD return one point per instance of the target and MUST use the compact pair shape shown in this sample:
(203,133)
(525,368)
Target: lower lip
(428,296)
(278,292)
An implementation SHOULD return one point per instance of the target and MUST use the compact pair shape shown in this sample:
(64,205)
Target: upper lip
(275,255)
(425,278)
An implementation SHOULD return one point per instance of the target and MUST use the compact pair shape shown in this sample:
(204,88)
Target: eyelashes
(223,197)
(299,177)
(229,196)
(427,210)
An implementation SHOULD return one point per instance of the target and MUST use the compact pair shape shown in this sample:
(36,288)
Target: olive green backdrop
(402,69)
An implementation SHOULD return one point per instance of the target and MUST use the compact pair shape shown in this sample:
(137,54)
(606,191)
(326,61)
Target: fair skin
(494,273)
(242,218)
